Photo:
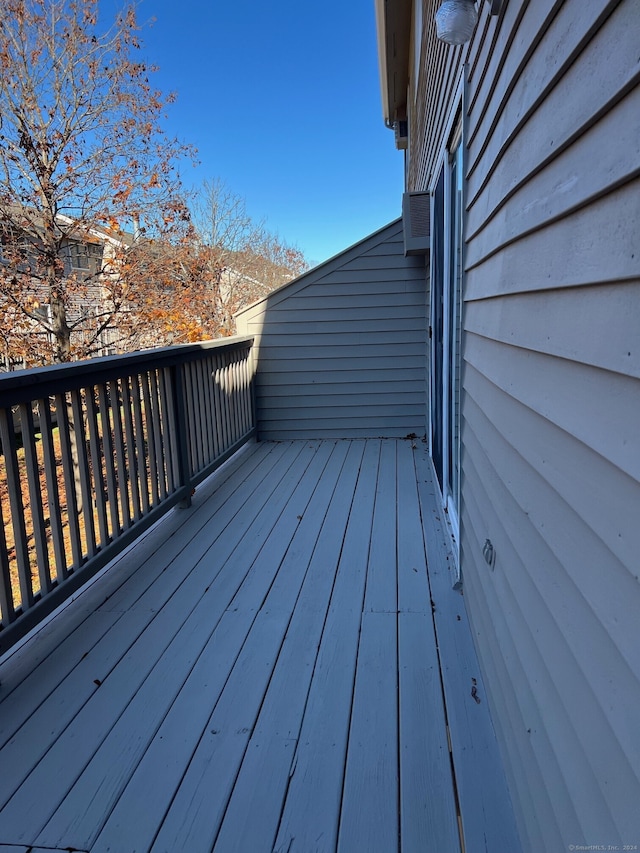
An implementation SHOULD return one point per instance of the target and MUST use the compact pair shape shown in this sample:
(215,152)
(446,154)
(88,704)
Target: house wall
(341,350)
(551,397)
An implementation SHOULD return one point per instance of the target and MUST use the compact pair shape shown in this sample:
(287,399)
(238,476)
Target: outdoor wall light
(456,19)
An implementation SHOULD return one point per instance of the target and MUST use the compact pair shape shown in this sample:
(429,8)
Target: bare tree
(241,260)
(82,157)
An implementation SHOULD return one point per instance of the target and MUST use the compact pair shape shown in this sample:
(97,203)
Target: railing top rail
(23,385)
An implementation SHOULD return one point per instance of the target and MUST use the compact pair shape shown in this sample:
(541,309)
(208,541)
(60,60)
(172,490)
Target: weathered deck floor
(259,673)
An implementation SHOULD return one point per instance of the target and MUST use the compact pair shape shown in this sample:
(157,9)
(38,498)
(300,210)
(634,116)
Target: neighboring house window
(42,312)
(15,249)
(79,257)
(83,256)
(446,323)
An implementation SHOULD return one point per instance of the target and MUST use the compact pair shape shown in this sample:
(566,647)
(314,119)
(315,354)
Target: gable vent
(416,221)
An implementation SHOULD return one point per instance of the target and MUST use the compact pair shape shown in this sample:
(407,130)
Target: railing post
(182,433)
(253,401)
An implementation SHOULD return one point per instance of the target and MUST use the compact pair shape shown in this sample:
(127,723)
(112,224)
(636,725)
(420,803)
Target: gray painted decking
(261,673)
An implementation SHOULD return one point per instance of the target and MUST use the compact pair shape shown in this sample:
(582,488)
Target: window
(83,256)
(79,256)
(454,319)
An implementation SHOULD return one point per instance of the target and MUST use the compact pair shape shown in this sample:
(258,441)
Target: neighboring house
(510,341)
(88,257)
(238,288)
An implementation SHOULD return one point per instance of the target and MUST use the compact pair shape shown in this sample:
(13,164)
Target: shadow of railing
(95,452)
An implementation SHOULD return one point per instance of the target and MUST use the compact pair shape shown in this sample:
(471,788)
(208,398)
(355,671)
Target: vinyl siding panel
(551,401)
(430,110)
(341,351)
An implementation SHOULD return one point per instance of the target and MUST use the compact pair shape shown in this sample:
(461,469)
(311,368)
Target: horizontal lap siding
(551,407)
(431,101)
(341,351)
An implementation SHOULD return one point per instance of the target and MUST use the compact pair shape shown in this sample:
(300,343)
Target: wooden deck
(261,673)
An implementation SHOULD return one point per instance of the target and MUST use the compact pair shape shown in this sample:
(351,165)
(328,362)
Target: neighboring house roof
(15,216)
(98,233)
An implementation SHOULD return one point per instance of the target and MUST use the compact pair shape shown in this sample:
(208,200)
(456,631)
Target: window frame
(445,309)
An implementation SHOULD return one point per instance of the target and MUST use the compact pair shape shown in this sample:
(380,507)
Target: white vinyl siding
(551,402)
(342,350)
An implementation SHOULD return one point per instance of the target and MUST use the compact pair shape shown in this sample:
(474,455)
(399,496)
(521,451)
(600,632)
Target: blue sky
(282,101)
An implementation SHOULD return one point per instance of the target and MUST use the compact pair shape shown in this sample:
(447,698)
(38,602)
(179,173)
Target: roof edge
(393,23)
(326,266)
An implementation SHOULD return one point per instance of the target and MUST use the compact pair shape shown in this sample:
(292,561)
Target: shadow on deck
(261,673)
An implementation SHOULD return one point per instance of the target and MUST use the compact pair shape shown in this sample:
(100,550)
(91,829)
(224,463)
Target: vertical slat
(246,388)
(204,419)
(83,472)
(216,420)
(243,382)
(252,392)
(152,456)
(117,394)
(217,408)
(167,407)
(240,394)
(228,400)
(6,591)
(232,399)
(188,407)
(197,417)
(202,412)
(53,494)
(96,464)
(224,408)
(69,482)
(9,448)
(251,389)
(235,412)
(156,420)
(239,382)
(181,422)
(140,436)
(207,374)
(202,415)
(185,406)
(235,409)
(105,401)
(132,460)
(35,498)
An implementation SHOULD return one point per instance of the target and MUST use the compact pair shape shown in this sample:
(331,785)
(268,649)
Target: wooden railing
(92,453)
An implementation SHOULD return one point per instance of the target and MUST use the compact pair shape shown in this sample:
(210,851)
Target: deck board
(268,674)
(311,810)
(381,589)
(121,751)
(428,818)
(369,812)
